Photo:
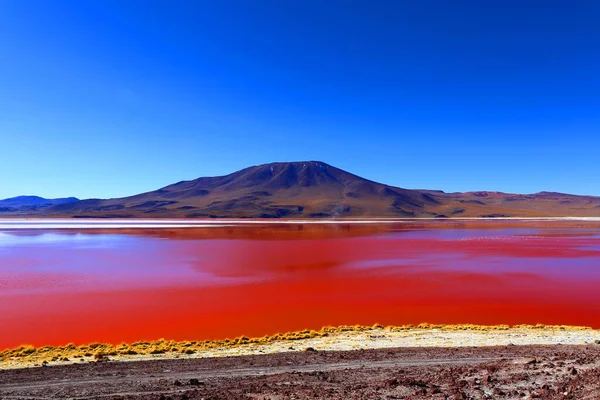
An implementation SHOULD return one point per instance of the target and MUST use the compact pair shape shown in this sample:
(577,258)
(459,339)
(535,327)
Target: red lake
(97,283)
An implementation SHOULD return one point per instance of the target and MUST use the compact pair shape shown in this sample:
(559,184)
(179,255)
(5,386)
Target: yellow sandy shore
(326,339)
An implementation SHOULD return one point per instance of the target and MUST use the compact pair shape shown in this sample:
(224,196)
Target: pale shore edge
(108,223)
(369,338)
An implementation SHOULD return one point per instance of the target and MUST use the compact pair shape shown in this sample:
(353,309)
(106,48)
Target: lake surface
(92,284)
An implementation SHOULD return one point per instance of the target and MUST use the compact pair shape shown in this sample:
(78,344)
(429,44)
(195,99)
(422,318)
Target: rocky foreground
(496,372)
(423,362)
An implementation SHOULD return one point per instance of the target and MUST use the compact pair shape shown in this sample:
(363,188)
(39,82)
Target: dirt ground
(497,372)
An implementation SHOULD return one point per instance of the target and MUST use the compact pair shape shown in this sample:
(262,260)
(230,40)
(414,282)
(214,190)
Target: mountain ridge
(29,202)
(315,189)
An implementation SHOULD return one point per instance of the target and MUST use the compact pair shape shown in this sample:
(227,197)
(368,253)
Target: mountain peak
(298,166)
(313,189)
(279,175)
(312,163)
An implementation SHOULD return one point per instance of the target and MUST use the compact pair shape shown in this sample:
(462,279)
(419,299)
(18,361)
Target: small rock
(195,382)
(177,383)
(311,349)
(393,382)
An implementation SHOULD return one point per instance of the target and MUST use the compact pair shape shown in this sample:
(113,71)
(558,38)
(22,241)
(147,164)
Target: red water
(112,286)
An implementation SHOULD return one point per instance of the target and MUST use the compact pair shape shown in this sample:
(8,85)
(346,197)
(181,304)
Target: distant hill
(31,203)
(313,189)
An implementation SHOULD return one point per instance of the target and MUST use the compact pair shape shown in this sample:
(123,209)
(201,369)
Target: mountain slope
(314,189)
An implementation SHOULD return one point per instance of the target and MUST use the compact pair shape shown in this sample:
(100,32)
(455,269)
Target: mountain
(314,189)
(30,203)
(295,189)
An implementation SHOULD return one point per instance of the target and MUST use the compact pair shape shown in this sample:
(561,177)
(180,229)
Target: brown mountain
(314,189)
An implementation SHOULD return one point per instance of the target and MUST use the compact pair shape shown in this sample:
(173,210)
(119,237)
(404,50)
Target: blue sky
(111,98)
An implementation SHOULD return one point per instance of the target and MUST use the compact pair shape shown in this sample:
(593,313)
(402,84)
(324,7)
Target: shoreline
(16,223)
(342,338)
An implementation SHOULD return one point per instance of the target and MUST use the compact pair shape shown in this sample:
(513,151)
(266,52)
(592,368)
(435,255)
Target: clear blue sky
(111,98)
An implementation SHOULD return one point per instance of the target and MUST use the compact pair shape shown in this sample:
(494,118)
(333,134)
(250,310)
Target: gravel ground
(493,372)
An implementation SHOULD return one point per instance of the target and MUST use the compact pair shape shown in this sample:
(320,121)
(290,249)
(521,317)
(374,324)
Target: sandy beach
(344,338)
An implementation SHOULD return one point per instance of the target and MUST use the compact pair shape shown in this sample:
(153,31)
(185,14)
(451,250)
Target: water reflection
(55,286)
